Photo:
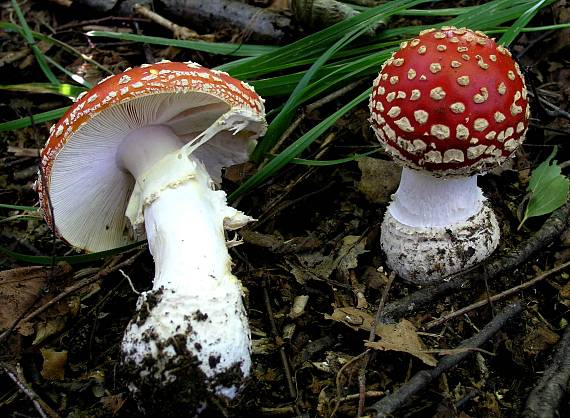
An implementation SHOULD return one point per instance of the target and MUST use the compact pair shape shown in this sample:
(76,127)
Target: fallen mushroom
(448,105)
(150,144)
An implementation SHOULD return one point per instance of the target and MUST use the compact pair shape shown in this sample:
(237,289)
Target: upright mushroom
(138,156)
(449,104)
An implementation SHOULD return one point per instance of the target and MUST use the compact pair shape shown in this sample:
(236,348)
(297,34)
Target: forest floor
(311,265)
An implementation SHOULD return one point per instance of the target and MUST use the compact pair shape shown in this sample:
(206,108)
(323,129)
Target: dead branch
(545,398)
(254,23)
(488,270)
(179,32)
(16,375)
(386,406)
(494,298)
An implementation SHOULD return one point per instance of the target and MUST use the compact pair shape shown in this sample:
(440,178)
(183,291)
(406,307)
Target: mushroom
(448,105)
(138,157)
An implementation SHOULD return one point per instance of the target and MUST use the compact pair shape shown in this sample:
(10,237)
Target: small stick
(180,32)
(544,400)
(17,377)
(64,3)
(386,406)
(275,333)
(494,298)
(377,320)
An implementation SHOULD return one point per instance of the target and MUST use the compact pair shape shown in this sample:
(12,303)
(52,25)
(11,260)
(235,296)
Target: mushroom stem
(436,226)
(423,200)
(191,328)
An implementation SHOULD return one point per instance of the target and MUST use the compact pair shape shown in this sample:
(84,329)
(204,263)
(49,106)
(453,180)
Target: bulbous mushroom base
(180,356)
(425,255)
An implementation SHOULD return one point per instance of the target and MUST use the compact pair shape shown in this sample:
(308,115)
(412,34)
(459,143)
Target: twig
(494,298)
(386,406)
(380,310)
(64,3)
(85,282)
(377,320)
(180,32)
(17,377)
(545,398)
(275,333)
(490,269)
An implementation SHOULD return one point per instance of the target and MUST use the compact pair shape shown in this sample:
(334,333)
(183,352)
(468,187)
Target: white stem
(195,298)
(423,200)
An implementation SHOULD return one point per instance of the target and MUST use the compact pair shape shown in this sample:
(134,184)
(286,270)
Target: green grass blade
(316,44)
(236,50)
(18,207)
(63,89)
(71,259)
(293,150)
(326,163)
(32,44)
(74,77)
(515,29)
(34,119)
(57,42)
(284,118)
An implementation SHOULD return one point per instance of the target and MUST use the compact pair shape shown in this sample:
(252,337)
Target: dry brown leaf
(401,337)
(48,328)
(318,266)
(54,364)
(352,317)
(112,403)
(19,289)
(352,247)
(379,179)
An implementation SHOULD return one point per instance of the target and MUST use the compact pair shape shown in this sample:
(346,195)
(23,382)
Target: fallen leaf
(402,337)
(54,364)
(379,179)
(352,247)
(20,288)
(48,328)
(316,266)
(112,403)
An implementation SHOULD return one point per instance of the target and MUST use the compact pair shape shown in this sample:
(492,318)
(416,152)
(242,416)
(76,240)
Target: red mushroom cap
(450,101)
(168,93)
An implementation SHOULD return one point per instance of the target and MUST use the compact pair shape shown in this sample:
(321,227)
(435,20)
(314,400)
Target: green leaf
(544,173)
(547,187)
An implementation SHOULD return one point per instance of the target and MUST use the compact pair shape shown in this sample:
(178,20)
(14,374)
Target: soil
(313,252)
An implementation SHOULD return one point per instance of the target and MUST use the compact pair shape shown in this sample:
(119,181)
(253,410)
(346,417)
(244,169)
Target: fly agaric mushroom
(148,145)
(448,105)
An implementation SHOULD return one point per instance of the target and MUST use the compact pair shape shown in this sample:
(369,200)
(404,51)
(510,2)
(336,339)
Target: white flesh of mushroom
(437,226)
(194,293)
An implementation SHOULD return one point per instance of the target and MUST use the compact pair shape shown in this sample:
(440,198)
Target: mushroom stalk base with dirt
(437,226)
(191,330)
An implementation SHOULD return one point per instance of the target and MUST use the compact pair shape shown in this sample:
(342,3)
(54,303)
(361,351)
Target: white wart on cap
(450,101)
